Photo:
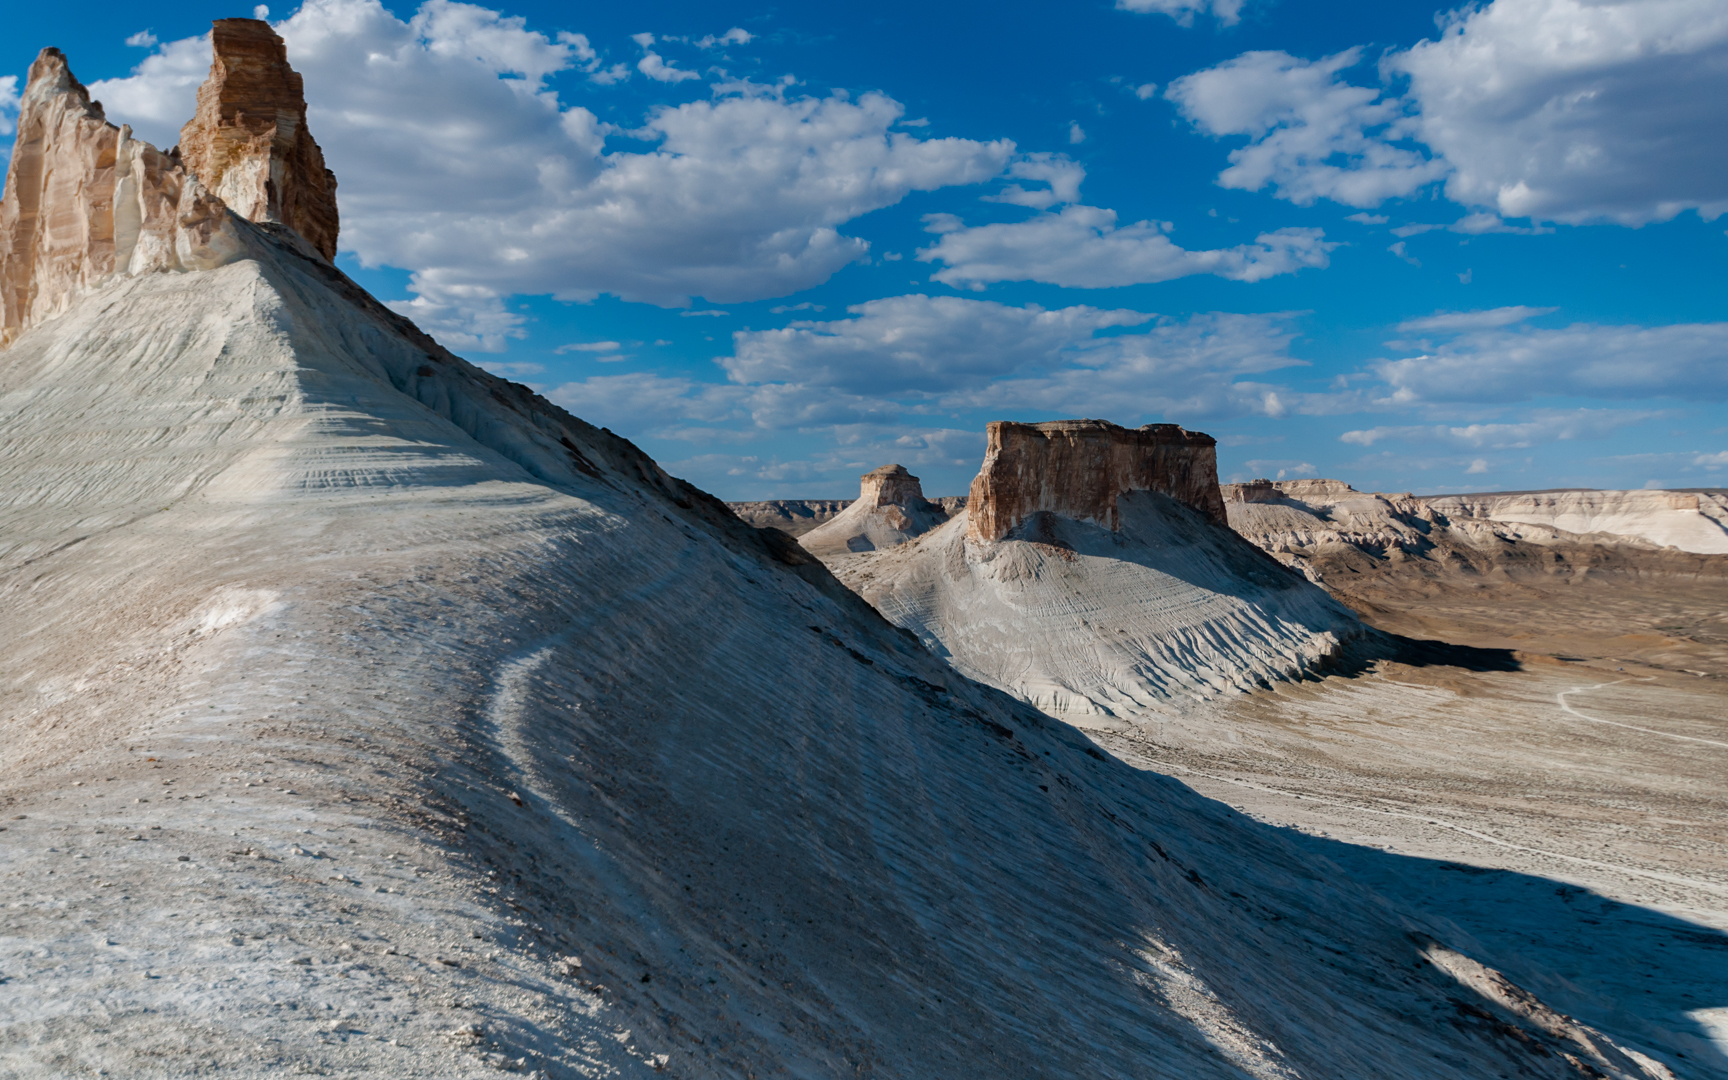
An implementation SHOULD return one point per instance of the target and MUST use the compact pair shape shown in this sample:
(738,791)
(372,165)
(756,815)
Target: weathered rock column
(248,141)
(893,486)
(1079,468)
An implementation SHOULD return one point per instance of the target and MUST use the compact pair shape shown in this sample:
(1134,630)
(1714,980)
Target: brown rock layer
(890,510)
(892,488)
(248,141)
(84,201)
(1079,468)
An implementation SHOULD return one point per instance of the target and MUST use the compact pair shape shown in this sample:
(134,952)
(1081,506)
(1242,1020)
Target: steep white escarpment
(1687,520)
(1333,533)
(305,593)
(368,715)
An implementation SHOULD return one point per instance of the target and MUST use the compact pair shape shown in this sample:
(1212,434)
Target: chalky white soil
(365,716)
(1689,521)
(1106,628)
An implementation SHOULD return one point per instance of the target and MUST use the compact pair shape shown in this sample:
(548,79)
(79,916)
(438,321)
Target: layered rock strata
(85,200)
(1348,539)
(1091,574)
(1695,521)
(794,517)
(1078,469)
(890,510)
(248,141)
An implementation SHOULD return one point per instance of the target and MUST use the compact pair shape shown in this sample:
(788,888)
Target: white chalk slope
(350,693)
(1105,628)
(1691,521)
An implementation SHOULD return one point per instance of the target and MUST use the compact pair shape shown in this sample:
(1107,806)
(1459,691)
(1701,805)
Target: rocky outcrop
(84,201)
(1092,573)
(1078,469)
(794,517)
(1347,539)
(890,510)
(1695,521)
(248,141)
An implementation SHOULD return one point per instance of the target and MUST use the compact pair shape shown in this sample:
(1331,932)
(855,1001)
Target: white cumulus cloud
(1491,365)
(656,68)
(735,36)
(8,104)
(1579,110)
(1559,110)
(917,343)
(1311,135)
(1084,247)
(895,359)
(1227,12)
(459,163)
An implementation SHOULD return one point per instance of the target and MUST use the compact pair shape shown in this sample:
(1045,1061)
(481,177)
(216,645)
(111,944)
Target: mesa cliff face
(1078,469)
(1092,573)
(85,201)
(248,141)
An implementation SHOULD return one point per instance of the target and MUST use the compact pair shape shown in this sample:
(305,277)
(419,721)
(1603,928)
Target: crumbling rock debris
(248,141)
(1078,469)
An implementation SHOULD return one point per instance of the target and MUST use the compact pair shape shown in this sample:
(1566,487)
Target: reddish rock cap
(1079,468)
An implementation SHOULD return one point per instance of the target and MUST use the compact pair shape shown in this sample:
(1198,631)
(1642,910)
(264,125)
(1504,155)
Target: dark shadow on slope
(1630,971)
(1423,652)
(1164,535)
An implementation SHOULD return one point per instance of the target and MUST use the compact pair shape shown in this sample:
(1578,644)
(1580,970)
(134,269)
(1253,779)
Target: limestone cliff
(248,141)
(1078,469)
(1347,539)
(794,517)
(890,510)
(84,201)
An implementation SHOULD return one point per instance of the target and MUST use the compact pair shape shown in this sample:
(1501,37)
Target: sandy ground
(1569,816)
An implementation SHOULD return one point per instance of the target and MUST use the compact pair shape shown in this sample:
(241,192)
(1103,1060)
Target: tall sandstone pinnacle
(1079,468)
(85,201)
(248,141)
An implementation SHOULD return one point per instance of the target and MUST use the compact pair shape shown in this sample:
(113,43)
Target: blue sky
(1407,246)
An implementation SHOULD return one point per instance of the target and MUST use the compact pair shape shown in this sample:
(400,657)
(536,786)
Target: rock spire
(84,201)
(248,141)
(1079,468)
